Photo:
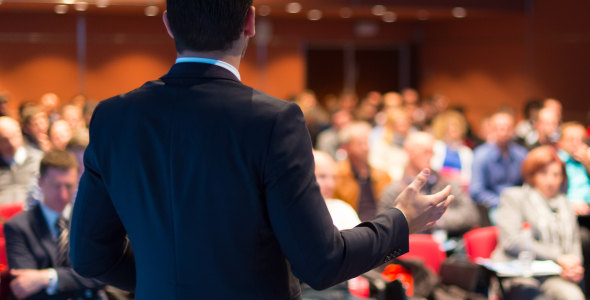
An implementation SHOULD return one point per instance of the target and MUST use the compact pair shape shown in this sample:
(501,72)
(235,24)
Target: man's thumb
(420,180)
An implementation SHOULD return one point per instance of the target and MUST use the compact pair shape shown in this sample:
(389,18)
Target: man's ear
(167,24)
(250,28)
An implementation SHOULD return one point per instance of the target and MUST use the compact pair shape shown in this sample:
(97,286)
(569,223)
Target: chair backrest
(480,242)
(424,248)
(3,259)
(9,210)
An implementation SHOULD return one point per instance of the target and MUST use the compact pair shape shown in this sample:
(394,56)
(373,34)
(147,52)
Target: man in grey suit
(19,165)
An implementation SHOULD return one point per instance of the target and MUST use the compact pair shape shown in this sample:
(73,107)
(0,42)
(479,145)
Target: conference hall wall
(479,63)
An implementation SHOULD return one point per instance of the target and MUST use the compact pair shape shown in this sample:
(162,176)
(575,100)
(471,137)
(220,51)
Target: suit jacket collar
(199,70)
(39,227)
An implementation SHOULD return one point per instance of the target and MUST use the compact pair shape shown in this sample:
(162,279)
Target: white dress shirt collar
(212,62)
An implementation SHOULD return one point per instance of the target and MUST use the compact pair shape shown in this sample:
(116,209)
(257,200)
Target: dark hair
(29,112)
(530,105)
(206,25)
(57,159)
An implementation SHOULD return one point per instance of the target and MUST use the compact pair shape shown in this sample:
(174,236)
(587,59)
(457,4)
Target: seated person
(554,228)
(37,240)
(573,151)
(18,164)
(358,183)
(343,216)
(461,215)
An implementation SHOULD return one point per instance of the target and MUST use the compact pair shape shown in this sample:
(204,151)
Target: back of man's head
(206,25)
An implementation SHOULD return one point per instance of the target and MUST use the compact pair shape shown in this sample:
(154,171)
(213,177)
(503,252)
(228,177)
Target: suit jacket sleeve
(319,254)
(99,247)
(17,252)
(20,257)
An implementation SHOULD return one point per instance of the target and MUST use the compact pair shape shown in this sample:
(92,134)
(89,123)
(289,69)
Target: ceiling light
(389,17)
(459,12)
(379,10)
(264,10)
(345,12)
(67,1)
(81,6)
(314,14)
(102,3)
(151,11)
(422,15)
(293,7)
(61,9)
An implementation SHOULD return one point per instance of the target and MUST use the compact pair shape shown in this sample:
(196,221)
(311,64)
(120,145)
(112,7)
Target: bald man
(546,129)
(60,134)
(19,165)
(461,215)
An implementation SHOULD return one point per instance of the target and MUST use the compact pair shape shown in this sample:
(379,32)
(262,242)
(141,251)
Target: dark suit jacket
(29,245)
(214,184)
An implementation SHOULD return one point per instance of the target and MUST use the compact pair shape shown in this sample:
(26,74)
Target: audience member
(316,119)
(546,130)
(366,112)
(554,105)
(348,101)
(452,159)
(343,216)
(49,103)
(37,240)
(461,215)
(4,98)
(23,106)
(328,139)
(79,101)
(77,145)
(73,115)
(18,164)
(554,225)
(496,166)
(484,133)
(531,114)
(60,134)
(35,128)
(392,100)
(573,151)
(359,184)
(386,143)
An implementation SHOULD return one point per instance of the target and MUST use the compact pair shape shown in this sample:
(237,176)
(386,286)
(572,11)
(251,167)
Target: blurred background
(480,54)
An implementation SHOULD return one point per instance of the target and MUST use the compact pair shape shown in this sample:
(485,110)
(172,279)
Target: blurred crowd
(505,174)
(367,151)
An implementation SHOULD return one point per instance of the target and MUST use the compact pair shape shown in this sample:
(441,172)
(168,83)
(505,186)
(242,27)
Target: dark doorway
(325,71)
(377,70)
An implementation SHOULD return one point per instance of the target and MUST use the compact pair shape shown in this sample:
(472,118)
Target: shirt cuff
(52,287)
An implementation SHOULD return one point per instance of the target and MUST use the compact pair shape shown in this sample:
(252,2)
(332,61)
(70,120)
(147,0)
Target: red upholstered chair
(424,248)
(9,210)
(480,242)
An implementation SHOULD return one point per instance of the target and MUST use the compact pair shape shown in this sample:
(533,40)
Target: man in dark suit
(37,240)
(19,164)
(213,183)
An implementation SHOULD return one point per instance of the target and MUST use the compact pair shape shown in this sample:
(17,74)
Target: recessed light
(378,10)
(345,12)
(81,6)
(314,14)
(389,17)
(102,3)
(151,11)
(264,10)
(459,12)
(60,9)
(293,7)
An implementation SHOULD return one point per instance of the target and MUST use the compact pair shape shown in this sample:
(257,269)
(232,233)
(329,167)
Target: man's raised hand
(422,211)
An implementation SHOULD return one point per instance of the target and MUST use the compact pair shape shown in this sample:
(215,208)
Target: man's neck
(503,148)
(229,58)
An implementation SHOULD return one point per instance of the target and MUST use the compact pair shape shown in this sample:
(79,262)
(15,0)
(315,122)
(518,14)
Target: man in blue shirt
(496,166)
(573,151)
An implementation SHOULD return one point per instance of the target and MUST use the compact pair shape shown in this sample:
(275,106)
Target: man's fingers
(420,180)
(440,197)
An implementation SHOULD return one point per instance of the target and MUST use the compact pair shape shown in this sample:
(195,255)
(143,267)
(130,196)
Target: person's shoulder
(266,103)
(483,149)
(514,193)
(19,221)
(518,150)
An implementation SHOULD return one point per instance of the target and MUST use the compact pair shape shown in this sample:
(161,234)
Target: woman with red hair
(554,228)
